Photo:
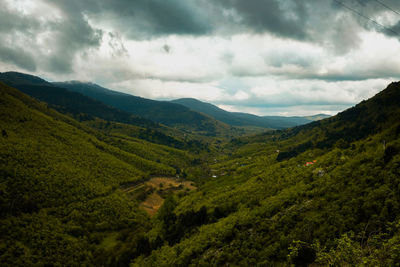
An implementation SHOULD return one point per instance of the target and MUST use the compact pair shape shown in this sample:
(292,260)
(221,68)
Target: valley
(109,187)
(153,133)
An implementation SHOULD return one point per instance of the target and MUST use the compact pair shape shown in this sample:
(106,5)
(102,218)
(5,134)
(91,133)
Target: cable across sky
(386,6)
(366,17)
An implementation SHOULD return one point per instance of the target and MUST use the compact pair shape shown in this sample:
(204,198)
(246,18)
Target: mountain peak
(16,78)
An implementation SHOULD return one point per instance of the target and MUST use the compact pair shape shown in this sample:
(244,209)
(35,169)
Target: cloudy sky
(268,57)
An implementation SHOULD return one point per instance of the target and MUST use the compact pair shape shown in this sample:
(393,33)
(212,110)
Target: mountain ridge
(160,111)
(241,118)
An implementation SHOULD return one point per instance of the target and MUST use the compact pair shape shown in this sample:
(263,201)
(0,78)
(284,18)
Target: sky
(267,57)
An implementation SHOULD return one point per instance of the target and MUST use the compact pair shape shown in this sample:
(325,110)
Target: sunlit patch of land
(152,193)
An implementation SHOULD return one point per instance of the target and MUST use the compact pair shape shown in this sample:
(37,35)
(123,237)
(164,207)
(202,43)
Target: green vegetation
(73,193)
(262,208)
(160,111)
(59,185)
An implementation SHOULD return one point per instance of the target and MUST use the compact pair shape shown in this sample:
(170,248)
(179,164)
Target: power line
(365,17)
(388,7)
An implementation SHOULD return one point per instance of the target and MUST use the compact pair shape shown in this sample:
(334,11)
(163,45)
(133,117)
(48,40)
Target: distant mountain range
(246,119)
(147,108)
(81,99)
(168,113)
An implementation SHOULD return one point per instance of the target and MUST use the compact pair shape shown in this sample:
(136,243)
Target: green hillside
(322,194)
(170,114)
(60,182)
(86,109)
(241,119)
(340,209)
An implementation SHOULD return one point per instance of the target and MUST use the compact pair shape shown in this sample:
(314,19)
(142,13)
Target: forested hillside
(76,193)
(89,111)
(159,111)
(60,183)
(325,194)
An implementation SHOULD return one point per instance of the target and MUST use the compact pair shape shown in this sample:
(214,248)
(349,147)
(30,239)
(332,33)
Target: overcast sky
(268,57)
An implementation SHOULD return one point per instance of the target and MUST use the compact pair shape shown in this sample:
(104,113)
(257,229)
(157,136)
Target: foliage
(62,193)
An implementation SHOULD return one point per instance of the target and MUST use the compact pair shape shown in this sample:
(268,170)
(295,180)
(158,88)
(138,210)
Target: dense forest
(105,187)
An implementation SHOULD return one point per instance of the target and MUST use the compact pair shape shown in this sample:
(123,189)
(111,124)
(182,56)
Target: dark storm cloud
(325,22)
(284,18)
(366,12)
(301,20)
(18,57)
(79,28)
(66,36)
(145,18)
(72,35)
(12,23)
(394,30)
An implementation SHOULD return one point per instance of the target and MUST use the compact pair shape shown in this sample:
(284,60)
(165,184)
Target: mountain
(369,117)
(17,78)
(241,119)
(86,109)
(69,102)
(170,114)
(317,117)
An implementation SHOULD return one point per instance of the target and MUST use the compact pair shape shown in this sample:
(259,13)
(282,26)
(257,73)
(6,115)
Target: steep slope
(59,186)
(335,202)
(86,109)
(160,111)
(368,117)
(69,102)
(241,119)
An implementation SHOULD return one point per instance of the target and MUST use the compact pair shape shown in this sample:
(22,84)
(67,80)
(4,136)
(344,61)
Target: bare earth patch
(153,191)
(152,203)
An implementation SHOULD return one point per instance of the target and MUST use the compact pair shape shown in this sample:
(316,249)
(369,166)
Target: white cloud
(151,88)
(259,73)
